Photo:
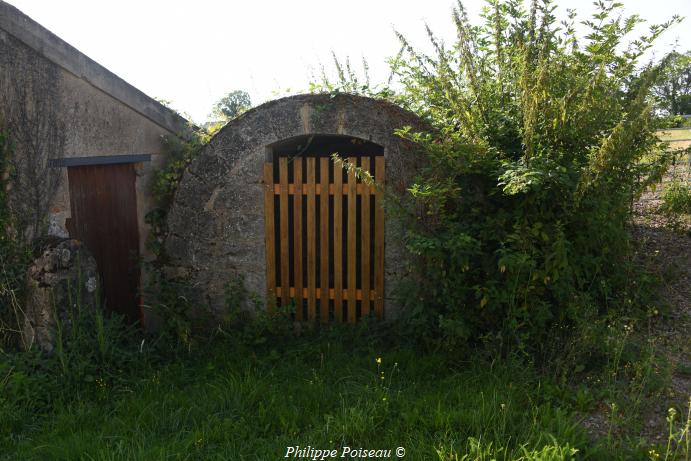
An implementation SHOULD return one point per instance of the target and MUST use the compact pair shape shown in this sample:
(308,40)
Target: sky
(191,53)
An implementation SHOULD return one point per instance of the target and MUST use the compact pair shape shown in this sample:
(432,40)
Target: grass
(232,402)
(252,395)
(673,135)
(240,402)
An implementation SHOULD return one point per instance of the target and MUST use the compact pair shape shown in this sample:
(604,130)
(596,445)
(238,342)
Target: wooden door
(325,237)
(103,203)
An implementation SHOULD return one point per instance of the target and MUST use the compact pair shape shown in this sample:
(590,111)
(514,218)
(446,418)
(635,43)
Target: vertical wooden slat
(352,242)
(311,241)
(367,263)
(365,231)
(324,238)
(283,230)
(111,236)
(379,238)
(338,243)
(269,235)
(297,234)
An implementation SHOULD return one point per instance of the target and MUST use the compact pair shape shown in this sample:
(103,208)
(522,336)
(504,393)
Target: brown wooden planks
(338,242)
(318,191)
(311,241)
(269,235)
(103,206)
(297,236)
(379,237)
(365,234)
(363,239)
(324,238)
(352,242)
(283,227)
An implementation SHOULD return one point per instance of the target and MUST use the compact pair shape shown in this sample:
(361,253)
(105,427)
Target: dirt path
(668,241)
(664,246)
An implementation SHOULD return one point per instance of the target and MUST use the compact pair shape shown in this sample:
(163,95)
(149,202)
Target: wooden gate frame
(352,189)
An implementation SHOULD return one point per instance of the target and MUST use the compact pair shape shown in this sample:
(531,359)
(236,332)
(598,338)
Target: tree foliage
(537,154)
(231,105)
(674,88)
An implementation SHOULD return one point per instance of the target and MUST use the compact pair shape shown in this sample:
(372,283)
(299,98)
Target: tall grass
(235,402)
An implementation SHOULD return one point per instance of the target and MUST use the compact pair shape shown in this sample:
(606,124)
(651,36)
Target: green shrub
(180,323)
(94,355)
(676,197)
(532,167)
(672,121)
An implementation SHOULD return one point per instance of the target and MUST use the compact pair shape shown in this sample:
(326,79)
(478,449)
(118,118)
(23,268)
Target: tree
(231,105)
(674,90)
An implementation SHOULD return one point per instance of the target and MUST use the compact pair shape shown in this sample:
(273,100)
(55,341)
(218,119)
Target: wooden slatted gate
(325,237)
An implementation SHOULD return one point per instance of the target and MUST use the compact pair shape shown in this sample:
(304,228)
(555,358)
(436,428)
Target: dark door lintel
(98,160)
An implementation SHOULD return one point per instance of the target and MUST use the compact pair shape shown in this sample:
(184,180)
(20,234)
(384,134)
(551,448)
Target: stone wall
(58,103)
(217,219)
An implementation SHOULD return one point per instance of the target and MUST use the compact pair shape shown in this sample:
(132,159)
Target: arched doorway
(217,223)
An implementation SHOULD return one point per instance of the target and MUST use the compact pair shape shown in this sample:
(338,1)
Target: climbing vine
(179,151)
(13,255)
(182,321)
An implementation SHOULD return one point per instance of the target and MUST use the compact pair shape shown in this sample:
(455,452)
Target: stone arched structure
(216,223)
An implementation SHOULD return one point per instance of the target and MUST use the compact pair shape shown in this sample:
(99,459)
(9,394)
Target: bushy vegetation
(93,353)
(673,121)
(535,160)
(676,197)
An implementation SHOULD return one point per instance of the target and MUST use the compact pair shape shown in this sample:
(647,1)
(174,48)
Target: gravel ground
(664,242)
(668,240)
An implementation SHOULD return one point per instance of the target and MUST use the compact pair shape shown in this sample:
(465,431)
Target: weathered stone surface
(217,219)
(56,103)
(64,274)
